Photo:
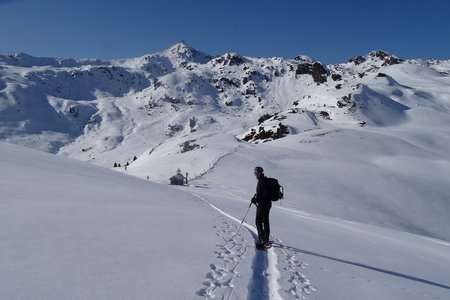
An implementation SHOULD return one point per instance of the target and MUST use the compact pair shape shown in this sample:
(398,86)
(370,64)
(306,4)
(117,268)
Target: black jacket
(262,194)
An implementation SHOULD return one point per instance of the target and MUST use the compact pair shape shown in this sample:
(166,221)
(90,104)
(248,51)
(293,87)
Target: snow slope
(360,147)
(70,230)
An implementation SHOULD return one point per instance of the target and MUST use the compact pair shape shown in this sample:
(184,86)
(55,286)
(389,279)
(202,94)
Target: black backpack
(274,189)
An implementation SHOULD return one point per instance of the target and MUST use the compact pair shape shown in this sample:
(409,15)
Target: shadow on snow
(258,287)
(392,273)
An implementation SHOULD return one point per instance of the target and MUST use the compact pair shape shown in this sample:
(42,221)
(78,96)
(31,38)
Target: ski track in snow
(271,273)
(264,284)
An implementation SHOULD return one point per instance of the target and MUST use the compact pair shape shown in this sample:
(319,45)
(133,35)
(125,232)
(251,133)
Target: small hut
(178,179)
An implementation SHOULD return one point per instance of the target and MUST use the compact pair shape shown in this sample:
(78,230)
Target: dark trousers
(262,221)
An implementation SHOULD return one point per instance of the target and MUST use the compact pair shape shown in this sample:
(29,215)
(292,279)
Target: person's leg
(266,223)
(259,222)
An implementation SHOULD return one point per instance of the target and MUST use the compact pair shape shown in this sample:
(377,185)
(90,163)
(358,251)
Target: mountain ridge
(69,99)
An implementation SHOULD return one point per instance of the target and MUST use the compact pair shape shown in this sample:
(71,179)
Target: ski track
(264,284)
(266,276)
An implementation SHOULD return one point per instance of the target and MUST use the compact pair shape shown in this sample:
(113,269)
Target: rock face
(262,134)
(316,70)
(387,59)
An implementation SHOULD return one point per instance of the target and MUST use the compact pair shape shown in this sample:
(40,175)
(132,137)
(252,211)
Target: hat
(259,170)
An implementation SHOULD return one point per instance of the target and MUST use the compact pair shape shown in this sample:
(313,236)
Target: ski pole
(239,228)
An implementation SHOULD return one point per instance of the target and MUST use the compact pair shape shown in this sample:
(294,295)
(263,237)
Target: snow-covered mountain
(369,135)
(93,110)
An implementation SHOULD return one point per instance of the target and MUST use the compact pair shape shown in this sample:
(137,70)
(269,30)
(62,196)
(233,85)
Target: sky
(330,31)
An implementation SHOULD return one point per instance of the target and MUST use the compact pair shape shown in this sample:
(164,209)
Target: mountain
(368,135)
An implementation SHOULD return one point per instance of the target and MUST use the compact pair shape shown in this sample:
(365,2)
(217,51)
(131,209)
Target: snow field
(72,230)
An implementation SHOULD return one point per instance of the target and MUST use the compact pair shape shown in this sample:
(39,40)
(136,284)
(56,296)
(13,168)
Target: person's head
(259,172)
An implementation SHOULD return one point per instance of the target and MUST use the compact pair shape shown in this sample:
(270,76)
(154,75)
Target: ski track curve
(222,277)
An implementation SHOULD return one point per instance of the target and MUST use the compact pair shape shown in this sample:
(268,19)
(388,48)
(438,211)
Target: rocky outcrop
(229,59)
(357,60)
(316,70)
(263,134)
(386,58)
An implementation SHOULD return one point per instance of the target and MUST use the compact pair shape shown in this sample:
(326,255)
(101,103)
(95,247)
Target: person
(263,205)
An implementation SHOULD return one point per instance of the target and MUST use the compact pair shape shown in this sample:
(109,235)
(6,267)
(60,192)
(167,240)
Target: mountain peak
(184,52)
(383,55)
(180,46)
(386,58)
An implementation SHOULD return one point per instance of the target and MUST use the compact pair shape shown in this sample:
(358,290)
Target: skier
(263,204)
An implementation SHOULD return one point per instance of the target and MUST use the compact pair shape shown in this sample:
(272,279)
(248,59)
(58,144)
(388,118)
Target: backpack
(274,189)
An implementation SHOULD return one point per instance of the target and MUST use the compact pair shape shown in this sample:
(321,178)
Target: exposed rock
(345,101)
(316,70)
(325,115)
(172,129)
(357,60)
(388,58)
(187,146)
(303,58)
(250,91)
(229,59)
(171,100)
(263,118)
(264,135)
(336,77)
(224,83)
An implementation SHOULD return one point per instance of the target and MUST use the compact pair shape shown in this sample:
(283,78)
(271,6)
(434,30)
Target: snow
(72,230)
(93,233)
(365,169)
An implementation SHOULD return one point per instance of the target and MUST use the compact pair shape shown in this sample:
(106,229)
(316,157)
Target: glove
(254,199)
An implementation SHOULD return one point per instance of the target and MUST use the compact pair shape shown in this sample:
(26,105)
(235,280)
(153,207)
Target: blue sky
(329,31)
